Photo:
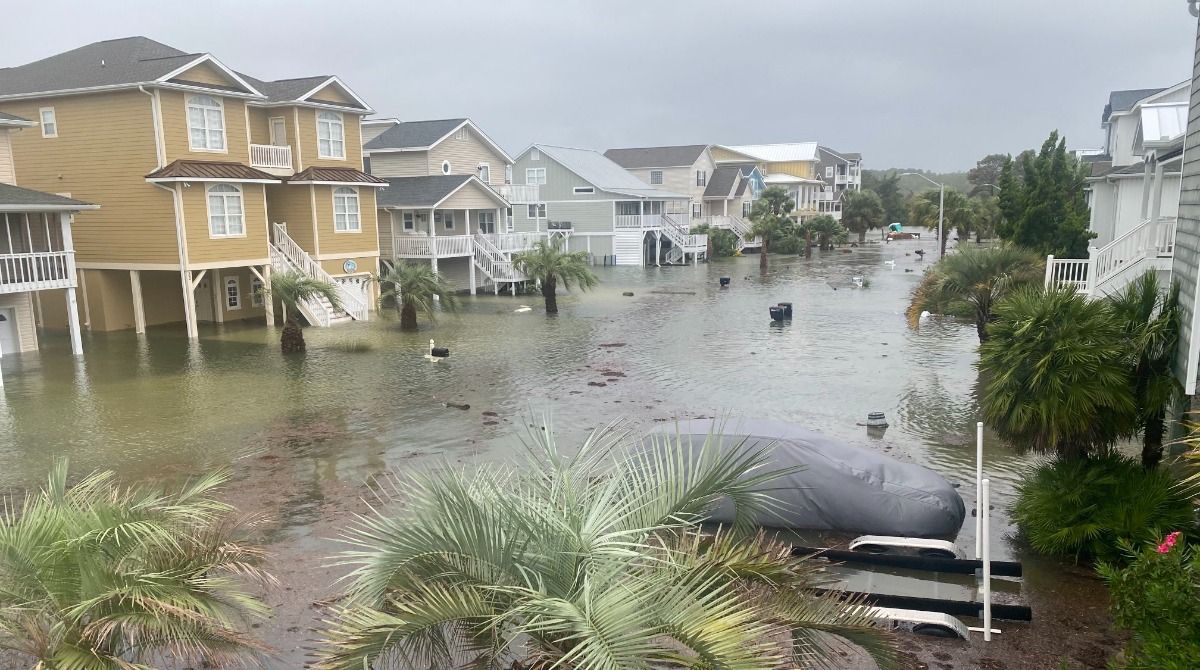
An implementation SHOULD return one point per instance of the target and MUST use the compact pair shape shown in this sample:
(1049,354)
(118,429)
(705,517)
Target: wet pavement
(304,434)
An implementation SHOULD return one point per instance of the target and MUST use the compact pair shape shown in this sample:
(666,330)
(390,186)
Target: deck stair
(1109,269)
(287,256)
(682,240)
(739,226)
(496,263)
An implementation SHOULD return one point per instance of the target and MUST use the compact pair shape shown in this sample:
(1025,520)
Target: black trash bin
(440,352)
(787,309)
(724,282)
(776,313)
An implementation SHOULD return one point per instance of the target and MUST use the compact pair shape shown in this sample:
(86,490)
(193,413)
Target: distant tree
(861,211)
(985,176)
(1043,203)
(887,187)
(923,211)
(826,230)
(770,218)
(985,212)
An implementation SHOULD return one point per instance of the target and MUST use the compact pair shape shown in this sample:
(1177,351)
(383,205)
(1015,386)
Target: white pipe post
(987,566)
(978,487)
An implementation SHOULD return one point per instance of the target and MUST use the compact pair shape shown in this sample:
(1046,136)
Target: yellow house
(791,166)
(208,181)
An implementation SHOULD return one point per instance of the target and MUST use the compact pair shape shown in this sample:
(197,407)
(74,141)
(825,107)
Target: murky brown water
(304,433)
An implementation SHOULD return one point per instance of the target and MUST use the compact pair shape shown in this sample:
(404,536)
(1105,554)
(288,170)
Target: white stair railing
(494,263)
(681,237)
(1149,239)
(350,292)
(317,313)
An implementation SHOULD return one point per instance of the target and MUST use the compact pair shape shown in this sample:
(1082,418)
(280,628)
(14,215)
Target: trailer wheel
(934,630)
(936,553)
(871,549)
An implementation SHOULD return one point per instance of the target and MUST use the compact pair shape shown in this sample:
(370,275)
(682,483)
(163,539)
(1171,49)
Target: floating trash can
(787,309)
(725,281)
(440,352)
(776,313)
(876,420)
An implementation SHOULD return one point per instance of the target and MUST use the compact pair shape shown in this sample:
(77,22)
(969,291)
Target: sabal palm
(96,576)
(770,219)
(1150,317)
(548,263)
(826,229)
(1056,371)
(956,212)
(291,288)
(978,277)
(591,562)
(861,211)
(413,288)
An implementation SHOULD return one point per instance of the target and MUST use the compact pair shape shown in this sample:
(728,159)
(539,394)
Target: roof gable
(205,73)
(429,190)
(657,157)
(413,135)
(600,172)
(777,153)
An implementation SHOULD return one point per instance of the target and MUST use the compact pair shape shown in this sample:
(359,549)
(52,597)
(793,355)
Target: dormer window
(331,135)
(206,123)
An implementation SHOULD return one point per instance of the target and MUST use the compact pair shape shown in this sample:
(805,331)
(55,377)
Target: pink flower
(1169,542)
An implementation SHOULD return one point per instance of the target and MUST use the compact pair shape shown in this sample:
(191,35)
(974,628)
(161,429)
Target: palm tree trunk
(808,244)
(408,316)
(291,340)
(862,236)
(982,318)
(762,254)
(1152,440)
(549,284)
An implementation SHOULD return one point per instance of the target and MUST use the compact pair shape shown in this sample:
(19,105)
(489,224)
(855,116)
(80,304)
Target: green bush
(724,241)
(1157,598)
(788,244)
(1085,508)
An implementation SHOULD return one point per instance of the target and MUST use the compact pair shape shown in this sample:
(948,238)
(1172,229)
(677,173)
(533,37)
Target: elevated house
(840,171)
(719,196)
(600,208)
(444,201)
(208,181)
(792,167)
(37,252)
(1134,188)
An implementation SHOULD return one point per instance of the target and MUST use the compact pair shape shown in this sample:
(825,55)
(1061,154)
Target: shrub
(723,240)
(1157,598)
(1086,508)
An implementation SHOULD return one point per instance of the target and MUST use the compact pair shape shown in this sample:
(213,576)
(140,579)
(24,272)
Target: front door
(487,222)
(278,132)
(8,332)
(204,299)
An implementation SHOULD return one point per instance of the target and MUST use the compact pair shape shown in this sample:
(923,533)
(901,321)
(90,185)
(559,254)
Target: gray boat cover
(840,487)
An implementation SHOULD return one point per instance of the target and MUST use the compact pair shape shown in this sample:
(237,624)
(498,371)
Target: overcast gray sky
(933,84)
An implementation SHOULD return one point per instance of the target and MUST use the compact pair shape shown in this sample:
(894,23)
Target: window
(408,221)
(445,218)
(508,224)
(535,176)
(584,189)
(461,134)
(745,208)
(233,294)
(537,211)
(701,177)
(206,123)
(828,171)
(487,222)
(656,176)
(627,208)
(535,155)
(256,292)
(507,174)
(331,135)
(697,210)
(225,211)
(653,207)
(445,167)
(485,173)
(345,211)
(49,124)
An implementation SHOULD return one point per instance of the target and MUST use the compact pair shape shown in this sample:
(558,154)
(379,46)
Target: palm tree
(977,277)
(595,561)
(861,211)
(100,576)
(291,288)
(1056,370)
(827,231)
(1150,317)
(770,217)
(547,263)
(413,288)
(957,214)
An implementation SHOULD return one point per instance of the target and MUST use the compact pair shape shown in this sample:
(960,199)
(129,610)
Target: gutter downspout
(159,140)
(189,295)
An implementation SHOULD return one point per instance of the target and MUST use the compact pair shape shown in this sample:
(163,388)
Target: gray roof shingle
(128,60)
(1123,101)
(424,191)
(413,134)
(656,157)
(13,198)
(603,173)
(720,184)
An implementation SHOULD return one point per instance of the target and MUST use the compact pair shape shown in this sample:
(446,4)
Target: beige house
(791,166)
(208,181)
(445,200)
(37,254)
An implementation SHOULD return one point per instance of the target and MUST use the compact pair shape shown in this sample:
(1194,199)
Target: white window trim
(271,130)
(481,215)
(828,171)
(508,174)
(447,222)
(208,208)
(660,177)
(358,213)
(53,121)
(481,168)
(237,295)
(256,295)
(408,221)
(701,177)
(539,209)
(341,124)
(584,190)
(461,133)
(535,155)
(536,173)
(446,167)
(187,117)
(697,210)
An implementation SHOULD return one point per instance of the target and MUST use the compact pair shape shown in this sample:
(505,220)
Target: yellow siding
(471,196)
(104,149)
(291,204)
(8,174)
(720,154)
(175,129)
(202,248)
(335,266)
(245,280)
(465,155)
(307,134)
(205,73)
(260,125)
(350,244)
(802,169)
(332,93)
(383,218)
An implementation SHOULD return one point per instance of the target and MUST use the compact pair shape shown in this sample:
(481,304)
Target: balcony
(276,160)
(421,246)
(36,271)
(518,194)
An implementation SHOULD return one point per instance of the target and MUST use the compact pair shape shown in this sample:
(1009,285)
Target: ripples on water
(160,406)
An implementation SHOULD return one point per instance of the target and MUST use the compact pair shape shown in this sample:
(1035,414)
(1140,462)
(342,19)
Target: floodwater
(302,434)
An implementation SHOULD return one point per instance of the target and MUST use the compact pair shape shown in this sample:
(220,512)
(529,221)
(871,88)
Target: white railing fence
(271,156)
(518,194)
(35,271)
(493,262)
(1067,273)
(318,313)
(1151,239)
(353,303)
(421,246)
(681,237)
(513,242)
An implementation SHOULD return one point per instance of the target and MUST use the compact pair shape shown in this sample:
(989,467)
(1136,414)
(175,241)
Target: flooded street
(302,434)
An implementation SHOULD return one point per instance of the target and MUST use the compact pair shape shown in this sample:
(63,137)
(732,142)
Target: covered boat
(839,487)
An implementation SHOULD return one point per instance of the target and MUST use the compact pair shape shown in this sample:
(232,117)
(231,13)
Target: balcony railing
(270,157)
(35,271)
(636,221)
(518,194)
(420,246)
(513,242)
